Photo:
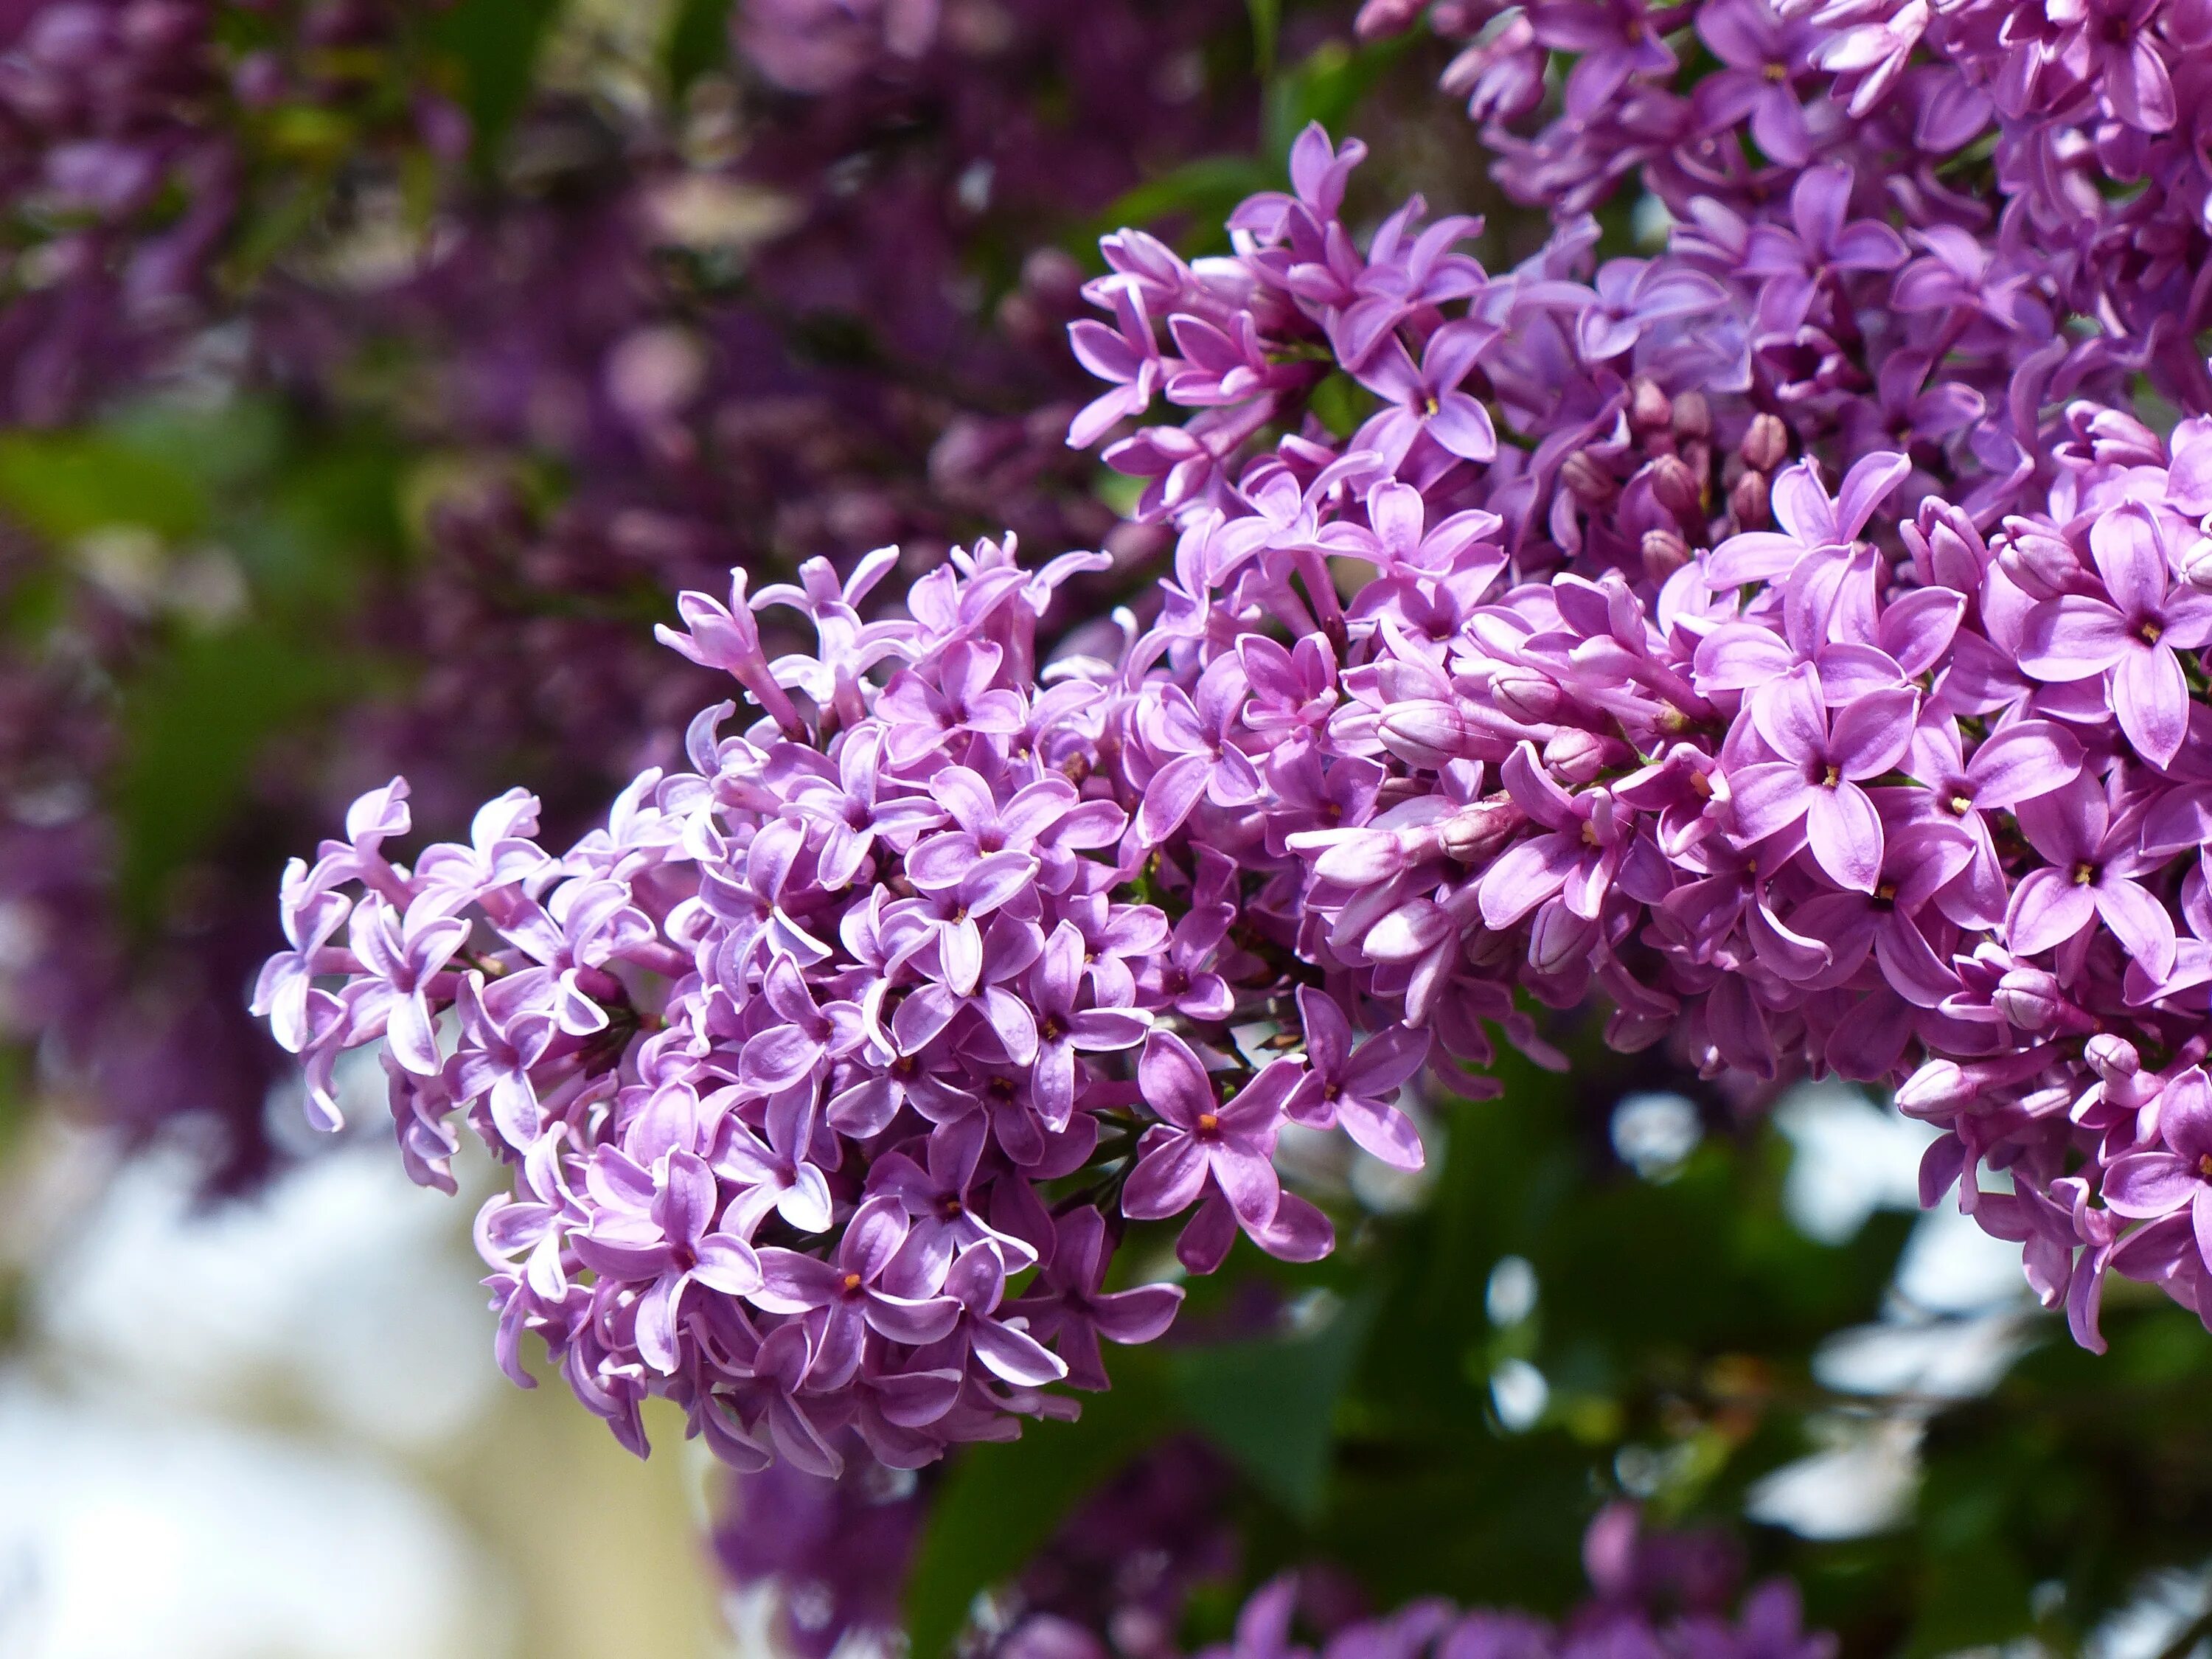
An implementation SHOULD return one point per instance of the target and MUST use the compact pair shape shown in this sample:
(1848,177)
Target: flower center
(2085,874)
(1961,805)
(1833,777)
(1429,405)
(1590,833)
(2148,631)
(1777,73)
(852,1283)
(2205,1166)
(1209,1123)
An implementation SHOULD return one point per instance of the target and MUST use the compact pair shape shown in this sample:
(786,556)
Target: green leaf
(1266,26)
(1326,87)
(495,44)
(193,725)
(1000,1503)
(698,42)
(1271,1405)
(64,484)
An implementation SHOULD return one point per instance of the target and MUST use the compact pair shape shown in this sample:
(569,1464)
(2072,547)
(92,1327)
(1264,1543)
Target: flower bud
(1675,487)
(1693,416)
(1527,696)
(1650,409)
(1766,444)
(1558,939)
(2040,564)
(2195,562)
(1664,553)
(1475,833)
(1427,732)
(1938,1088)
(2029,998)
(1589,482)
(2111,1057)
(1747,500)
(1579,756)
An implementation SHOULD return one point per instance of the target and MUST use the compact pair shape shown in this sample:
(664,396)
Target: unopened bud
(2111,1057)
(1747,500)
(1664,553)
(1578,756)
(1558,939)
(1766,444)
(1650,409)
(2197,563)
(1590,482)
(1693,416)
(2040,565)
(1938,1088)
(2029,998)
(1475,833)
(1526,696)
(1675,487)
(1429,733)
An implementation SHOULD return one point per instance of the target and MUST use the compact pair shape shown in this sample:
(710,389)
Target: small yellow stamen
(1208,1122)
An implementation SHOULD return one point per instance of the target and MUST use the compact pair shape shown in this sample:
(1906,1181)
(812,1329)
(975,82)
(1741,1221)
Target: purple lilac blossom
(1889,763)
(792,1127)
(1668,1595)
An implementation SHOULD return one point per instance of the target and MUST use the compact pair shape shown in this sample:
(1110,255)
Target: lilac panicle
(833,1066)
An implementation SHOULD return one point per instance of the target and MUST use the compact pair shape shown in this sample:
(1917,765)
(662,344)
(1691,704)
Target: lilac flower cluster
(808,1057)
(731,342)
(1597,692)
(141,141)
(2042,161)
(1655,1596)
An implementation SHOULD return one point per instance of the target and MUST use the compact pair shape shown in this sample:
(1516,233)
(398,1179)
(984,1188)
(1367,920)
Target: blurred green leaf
(495,43)
(1000,1503)
(1326,87)
(1266,25)
(698,42)
(193,725)
(1271,1405)
(65,484)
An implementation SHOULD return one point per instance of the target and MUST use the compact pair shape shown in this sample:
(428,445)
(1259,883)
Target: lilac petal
(1792,715)
(2151,697)
(1138,1315)
(1173,791)
(1768,798)
(1297,1232)
(728,1265)
(657,1311)
(2185,1115)
(2142,1185)
(1250,1183)
(2048,909)
(1845,833)
(2030,758)
(1873,477)
(2130,556)
(2140,922)
(1803,508)
(2072,637)
(1174,1084)
(1872,734)
(1462,426)
(791,1283)
(1014,1356)
(1383,1131)
(906,1319)
(1166,1181)
(1526,873)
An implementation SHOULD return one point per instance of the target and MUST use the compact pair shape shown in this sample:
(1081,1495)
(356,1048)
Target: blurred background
(373,374)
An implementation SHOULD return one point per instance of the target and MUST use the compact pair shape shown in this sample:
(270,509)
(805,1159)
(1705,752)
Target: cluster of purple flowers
(1656,1595)
(935,975)
(663,335)
(1896,779)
